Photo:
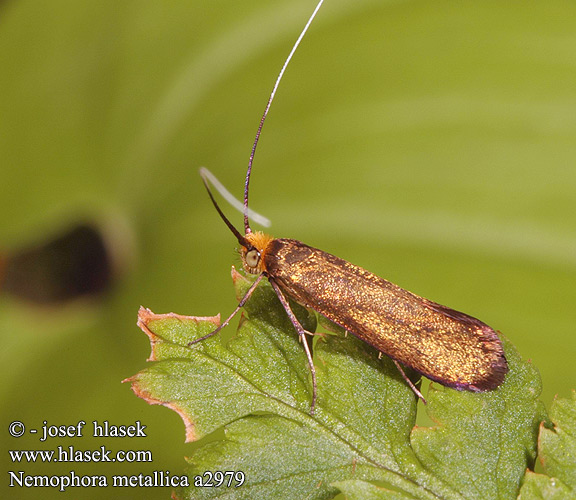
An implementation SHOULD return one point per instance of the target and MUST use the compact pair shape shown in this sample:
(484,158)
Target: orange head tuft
(253,253)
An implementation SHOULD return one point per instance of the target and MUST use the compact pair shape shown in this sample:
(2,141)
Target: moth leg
(312,334)
(409,382)
(240,305)
(302,333)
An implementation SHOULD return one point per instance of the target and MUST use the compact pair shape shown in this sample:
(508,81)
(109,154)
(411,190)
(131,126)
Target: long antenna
(270,99)
(229,197)
(235,231)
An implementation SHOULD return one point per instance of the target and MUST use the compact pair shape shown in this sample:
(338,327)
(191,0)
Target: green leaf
(540,486)
(557,453)
(361,439)
(484,442)
(355,489)
(557,446)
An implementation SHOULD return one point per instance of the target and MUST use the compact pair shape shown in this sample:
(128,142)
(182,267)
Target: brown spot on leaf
(146,396)
(146,316)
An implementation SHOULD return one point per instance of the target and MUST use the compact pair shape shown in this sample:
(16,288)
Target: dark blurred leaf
(74,264)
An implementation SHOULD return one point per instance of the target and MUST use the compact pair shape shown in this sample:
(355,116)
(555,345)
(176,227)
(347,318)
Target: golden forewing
(445,345)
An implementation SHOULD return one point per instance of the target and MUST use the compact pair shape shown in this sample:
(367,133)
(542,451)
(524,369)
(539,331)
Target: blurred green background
(433,143)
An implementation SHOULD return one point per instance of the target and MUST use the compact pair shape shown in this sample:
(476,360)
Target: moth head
(253,251)
(252,245)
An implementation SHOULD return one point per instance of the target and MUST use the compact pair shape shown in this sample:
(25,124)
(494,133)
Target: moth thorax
(253,255)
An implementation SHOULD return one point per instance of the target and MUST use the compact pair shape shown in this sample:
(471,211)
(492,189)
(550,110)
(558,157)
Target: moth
(447,346)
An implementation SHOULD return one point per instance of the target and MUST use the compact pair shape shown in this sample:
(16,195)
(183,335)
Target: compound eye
(252,258)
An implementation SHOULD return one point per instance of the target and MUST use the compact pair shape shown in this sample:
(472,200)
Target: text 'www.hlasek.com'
(72,454)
